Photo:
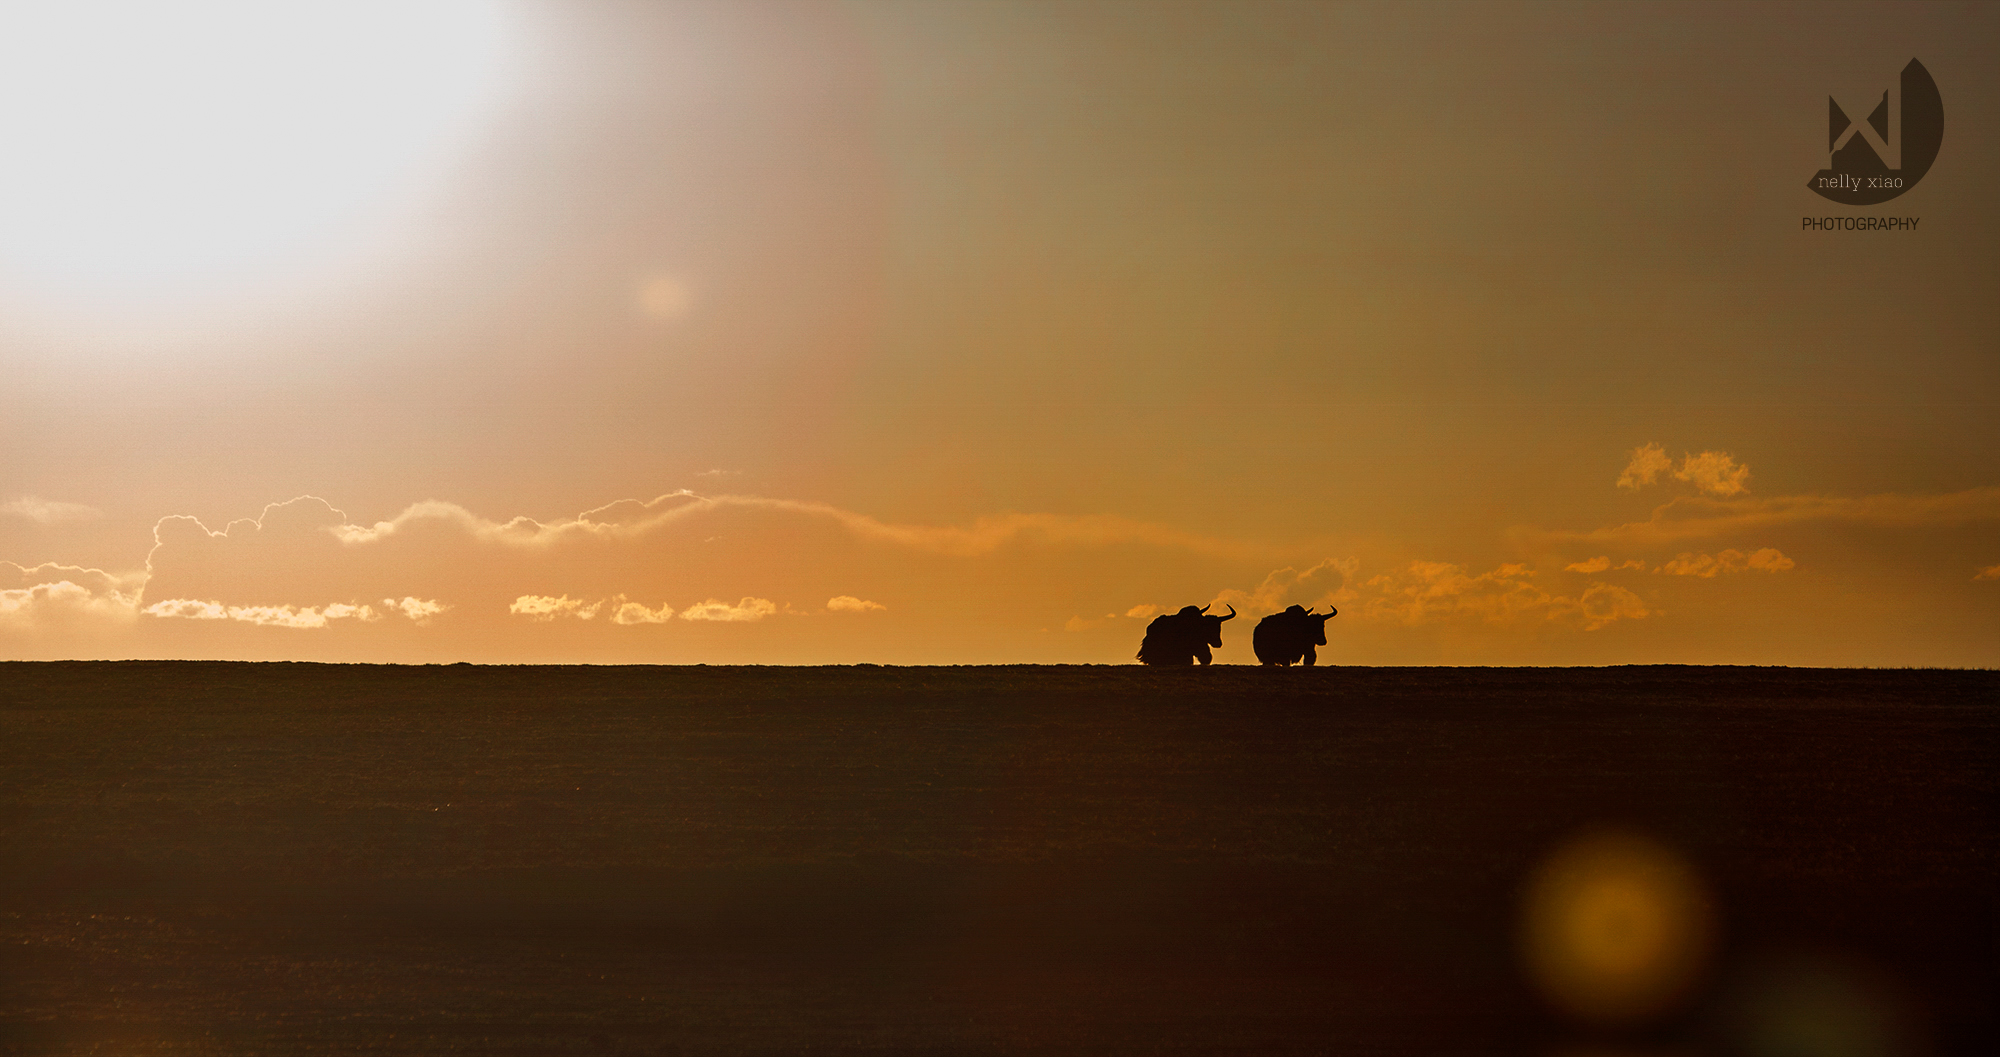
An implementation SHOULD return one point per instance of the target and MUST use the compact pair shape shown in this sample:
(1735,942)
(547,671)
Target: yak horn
(1232,613)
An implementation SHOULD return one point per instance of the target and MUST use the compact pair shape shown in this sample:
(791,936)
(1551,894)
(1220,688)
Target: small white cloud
(1991,572)
(544,607)
(419,610)
(719,473)
(1142,612)
(624,612)
(49,511)
(851,604)
(746,610)
(1713,472)
(1648,462)
(1593,565)
(278,616)
(344,611)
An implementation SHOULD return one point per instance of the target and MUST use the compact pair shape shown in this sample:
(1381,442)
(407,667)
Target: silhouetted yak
(1183,637)
(1289,637)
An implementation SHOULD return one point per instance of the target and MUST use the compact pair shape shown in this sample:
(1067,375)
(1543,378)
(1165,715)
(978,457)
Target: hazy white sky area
(980,332)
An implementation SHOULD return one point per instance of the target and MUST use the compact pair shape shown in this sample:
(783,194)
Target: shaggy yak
(1289,637)
(1183,637)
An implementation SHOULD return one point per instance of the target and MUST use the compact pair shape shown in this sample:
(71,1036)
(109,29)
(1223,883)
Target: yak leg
(1312,655)
(1201,654)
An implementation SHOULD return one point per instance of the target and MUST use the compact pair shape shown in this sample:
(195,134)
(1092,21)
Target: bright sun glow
(150,147)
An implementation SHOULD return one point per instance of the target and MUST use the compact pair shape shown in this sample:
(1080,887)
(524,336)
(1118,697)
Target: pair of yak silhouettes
(1281,638)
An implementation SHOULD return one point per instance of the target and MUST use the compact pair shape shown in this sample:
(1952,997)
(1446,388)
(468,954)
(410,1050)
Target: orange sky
(975,332)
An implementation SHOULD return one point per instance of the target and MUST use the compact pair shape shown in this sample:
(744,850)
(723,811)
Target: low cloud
(1593,565)
(49,511)
(625,612)
(1426,592)
(1319,584)
(1991,572)
(188,609)
(1713,472)
(1142,612)
(417,610)
(851,604)
(1767,559)
(748,609)
(1433,592)
(544,607)
(47,594)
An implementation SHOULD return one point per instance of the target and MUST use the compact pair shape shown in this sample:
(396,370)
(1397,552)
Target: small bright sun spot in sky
(664,298)
(151,149)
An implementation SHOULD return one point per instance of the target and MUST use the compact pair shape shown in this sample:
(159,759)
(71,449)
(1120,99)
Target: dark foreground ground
(235,858)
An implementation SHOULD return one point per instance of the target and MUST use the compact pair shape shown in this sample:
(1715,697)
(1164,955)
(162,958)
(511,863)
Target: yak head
(1211,627)
(1310,622)
(1318,623)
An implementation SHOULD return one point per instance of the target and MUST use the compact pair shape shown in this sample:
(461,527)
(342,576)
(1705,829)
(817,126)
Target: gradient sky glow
(977,332)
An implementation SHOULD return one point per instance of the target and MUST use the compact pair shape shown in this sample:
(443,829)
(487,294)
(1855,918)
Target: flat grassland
(299,858)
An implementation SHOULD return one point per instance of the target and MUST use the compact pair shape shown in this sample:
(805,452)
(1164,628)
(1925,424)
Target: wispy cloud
(1593,565)
(1699,517)
(851,604)
(1991,572)
(49,511)
(629,518)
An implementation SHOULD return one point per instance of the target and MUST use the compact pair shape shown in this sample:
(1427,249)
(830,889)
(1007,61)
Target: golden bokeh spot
(1616,927)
